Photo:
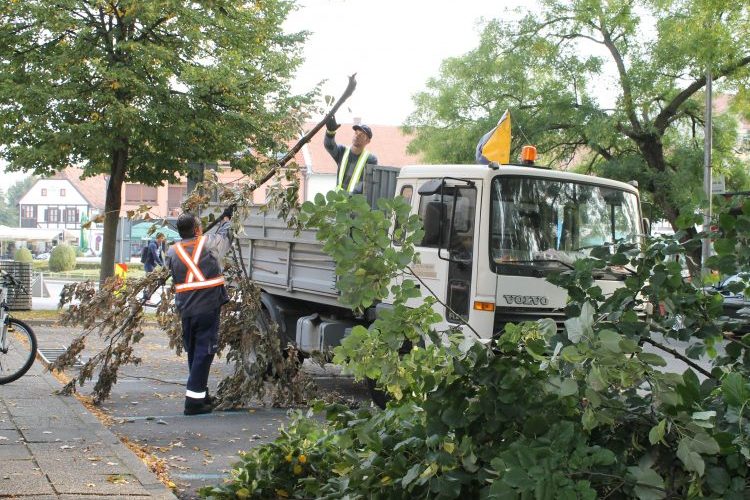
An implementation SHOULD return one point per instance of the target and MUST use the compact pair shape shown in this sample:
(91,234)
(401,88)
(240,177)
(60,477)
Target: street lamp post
(707,180)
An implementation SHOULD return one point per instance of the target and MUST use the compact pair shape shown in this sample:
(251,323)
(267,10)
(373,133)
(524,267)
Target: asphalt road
(146,408)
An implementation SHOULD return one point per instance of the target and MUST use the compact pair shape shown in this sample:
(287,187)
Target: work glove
(228,212)
(331,124)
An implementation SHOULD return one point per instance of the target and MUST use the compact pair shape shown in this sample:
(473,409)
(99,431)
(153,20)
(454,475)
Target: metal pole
(707,181)
(122,239)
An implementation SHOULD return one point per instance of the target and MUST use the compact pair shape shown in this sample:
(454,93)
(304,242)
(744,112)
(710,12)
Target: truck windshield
(546,223)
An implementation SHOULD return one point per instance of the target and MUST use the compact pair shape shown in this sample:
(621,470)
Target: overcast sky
(394,46)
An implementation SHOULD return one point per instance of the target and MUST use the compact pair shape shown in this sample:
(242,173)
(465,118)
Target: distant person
(195,264)
(153,256)
(350,160)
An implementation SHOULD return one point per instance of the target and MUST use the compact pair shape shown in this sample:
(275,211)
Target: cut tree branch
(304,140)
(679,356)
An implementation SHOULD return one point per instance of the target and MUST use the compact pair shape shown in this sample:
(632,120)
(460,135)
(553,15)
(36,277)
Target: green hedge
(62,258)
(23,254)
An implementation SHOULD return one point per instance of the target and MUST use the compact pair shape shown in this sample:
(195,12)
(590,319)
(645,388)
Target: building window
(62,192)
(44,191)
(28,211)
(175,195)
(71,215)
(53,215)
(28,215)
(138,193)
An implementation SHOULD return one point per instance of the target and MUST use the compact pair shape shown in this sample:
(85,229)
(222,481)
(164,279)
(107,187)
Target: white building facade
(53,204)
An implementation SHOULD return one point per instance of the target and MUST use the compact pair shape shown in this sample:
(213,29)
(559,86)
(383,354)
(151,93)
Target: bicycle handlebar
(13,280)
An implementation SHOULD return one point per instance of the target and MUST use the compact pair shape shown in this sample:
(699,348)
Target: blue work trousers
(200,336)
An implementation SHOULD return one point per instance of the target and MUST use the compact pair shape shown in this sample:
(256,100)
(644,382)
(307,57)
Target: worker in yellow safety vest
(196,267)
(351,160)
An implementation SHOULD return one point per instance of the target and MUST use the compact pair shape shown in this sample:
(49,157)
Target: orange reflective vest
(194,279)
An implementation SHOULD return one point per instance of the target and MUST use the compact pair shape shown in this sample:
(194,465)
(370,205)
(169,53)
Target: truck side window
(406,193)
(436,213)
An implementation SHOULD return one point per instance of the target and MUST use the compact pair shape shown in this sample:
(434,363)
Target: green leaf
(610,340)
(571,354)
(704,444)
(574,329)
(725,246)
(649,484)
(656,434)
(734,388)
(717,479)
(703,415)
(691,460)
(619,259)
(568,387)
(411,475)
(547,327)
(517,478)
(580,326)
(453,416)
(595,379)
(588,419)
(651,359)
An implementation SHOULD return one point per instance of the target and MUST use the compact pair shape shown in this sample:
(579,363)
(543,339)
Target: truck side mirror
(646,226)
(434,186)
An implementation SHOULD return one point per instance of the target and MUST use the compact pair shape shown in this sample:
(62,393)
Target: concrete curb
(148,479)
(55,448)
(54,322)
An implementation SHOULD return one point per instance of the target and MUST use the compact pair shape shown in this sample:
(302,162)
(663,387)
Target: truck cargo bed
(294,265)
(286,264)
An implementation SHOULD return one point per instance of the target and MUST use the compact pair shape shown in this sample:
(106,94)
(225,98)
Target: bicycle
(17,340)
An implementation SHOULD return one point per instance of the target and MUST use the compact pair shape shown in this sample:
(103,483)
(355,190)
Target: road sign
(718,185)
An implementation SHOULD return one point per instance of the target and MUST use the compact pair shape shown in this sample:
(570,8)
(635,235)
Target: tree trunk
(112,212)
(653,151)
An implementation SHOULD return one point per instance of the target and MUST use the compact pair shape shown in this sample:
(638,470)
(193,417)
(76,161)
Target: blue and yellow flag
(495,144)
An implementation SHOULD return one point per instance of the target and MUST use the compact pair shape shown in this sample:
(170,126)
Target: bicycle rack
(50,354)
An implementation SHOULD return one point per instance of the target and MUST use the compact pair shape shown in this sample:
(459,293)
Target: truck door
(447,248)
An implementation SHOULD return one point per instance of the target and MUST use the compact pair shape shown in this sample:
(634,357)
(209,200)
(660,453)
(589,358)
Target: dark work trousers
(200,336)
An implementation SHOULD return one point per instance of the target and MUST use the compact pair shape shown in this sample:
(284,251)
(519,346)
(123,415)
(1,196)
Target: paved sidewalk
(52,447)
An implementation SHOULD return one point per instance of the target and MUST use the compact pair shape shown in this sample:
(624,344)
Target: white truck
(515,224)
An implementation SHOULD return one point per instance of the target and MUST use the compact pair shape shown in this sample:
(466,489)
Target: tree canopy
(557,71)
(9,201)
(138,89)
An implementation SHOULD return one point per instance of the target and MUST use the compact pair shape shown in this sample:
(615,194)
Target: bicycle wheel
(20,353)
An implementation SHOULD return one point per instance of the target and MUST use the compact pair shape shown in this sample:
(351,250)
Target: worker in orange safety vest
(195,264)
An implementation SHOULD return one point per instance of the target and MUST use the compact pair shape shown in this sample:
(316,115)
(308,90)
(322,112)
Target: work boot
(196,406)
(209,400)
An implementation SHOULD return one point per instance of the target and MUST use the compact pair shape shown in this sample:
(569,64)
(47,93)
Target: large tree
(9,215)
(615,87)
(139,89)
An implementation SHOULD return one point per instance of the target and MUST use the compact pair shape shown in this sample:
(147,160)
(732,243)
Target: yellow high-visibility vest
(358,169)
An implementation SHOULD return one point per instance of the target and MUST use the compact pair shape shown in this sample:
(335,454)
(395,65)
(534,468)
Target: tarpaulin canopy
(140,231)
(29,234)
(83,239)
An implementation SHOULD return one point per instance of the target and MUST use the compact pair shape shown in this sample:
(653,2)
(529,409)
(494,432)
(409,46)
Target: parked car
(736,305)
(42,256)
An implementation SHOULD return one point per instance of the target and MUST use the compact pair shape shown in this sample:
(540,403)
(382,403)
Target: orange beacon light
(528,155)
